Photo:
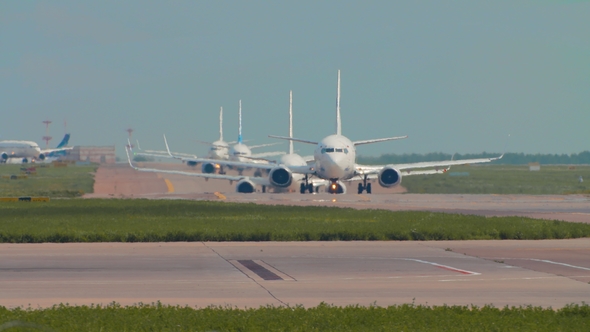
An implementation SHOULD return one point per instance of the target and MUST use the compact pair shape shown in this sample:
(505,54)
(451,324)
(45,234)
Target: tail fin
(221,123)
(64,141)
(240,123)
(338,123)
(291,121)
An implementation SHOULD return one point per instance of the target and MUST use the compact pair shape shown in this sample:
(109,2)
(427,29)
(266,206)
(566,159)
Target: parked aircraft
(30,151)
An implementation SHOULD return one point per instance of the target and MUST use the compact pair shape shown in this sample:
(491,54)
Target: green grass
(70,181)
(502,179)
(157,317)
(111,220)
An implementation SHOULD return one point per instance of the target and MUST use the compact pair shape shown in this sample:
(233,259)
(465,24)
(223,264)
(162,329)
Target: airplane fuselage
(219,150)
(19,149)
(335,158)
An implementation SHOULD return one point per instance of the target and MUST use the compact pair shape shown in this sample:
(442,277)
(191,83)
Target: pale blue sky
(456,76)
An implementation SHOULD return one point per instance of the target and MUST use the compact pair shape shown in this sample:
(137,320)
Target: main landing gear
(364,186)
(306,186)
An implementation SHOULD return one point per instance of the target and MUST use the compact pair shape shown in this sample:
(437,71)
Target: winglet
(167,148)
(128,157)
(138,147)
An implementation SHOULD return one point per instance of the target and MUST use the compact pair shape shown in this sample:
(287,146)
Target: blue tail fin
(64,141)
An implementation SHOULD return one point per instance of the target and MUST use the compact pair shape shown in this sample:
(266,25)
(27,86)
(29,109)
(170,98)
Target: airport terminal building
(95,154)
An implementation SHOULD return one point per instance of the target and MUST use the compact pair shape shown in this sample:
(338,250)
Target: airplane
(28,150)
(334,162)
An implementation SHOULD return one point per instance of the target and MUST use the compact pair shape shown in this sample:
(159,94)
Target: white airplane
(30,151)
(248,184)
(334,162)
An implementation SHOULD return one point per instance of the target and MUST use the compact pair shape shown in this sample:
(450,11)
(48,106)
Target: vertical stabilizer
(338,123)
(64,141)
(221,123)
(240,122)
(291,121)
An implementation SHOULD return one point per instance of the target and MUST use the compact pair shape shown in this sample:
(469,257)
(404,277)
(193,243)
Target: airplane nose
(333,165)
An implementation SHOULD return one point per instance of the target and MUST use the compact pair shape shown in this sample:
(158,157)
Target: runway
(513,273)
(549,273)
(123,181)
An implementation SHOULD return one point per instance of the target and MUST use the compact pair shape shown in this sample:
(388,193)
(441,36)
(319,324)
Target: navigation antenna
(338,123)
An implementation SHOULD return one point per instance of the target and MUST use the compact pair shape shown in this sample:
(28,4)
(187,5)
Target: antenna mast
(221,123)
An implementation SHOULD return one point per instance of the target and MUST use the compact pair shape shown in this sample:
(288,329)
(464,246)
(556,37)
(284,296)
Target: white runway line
(446,267)
(558,263)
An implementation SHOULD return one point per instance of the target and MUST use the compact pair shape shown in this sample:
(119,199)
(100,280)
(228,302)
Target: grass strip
(157,317)
(110,220)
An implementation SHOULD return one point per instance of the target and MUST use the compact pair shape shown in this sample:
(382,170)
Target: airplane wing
(46,151)
(378,140)
(266,154)
(293,139)
(263,145)
(263,181)
(415,168)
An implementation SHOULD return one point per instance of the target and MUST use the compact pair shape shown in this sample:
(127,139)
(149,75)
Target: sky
(456,76)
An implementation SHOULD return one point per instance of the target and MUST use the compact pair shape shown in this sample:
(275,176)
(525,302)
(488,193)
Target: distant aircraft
(30,151)
(239,157)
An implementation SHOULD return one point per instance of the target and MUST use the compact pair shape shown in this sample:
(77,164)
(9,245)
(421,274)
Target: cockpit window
(329,150)
(346,151)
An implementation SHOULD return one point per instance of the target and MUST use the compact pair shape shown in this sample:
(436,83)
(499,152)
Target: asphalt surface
(550,273)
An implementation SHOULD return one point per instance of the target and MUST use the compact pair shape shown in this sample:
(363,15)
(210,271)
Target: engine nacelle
(245,186)
(337,187)
(389,177)
(280,177)
(4,156)
(191,163)
(208,168)
(41,156)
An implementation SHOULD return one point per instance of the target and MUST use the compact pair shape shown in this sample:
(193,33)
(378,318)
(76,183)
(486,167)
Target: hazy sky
(456,76)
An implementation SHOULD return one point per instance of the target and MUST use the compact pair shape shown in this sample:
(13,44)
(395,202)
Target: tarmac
(547,273)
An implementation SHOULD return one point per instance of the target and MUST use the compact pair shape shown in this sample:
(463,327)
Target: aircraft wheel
(263,189)
(310,188)
(368,188)
(361,188)
(258,173)
(25,160)
(302,188)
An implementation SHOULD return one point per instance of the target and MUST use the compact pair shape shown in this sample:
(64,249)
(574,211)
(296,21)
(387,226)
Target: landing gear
(263,189)
(257,173)
(221,170)
(310,188)
(302,188)
(364,186)
(306,186)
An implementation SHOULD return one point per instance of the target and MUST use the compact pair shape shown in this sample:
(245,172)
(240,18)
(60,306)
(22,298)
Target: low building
(95,154)
(534,167)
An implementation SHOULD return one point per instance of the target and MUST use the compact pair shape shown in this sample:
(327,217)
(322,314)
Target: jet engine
(41,157)
(337,187)
(389,177)
(191,163)
(280,177)
(208,168)
(4,156)
(245,186)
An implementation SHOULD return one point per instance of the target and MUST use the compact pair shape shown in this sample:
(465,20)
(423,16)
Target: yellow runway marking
(365,198)
(219,195)
(169,185)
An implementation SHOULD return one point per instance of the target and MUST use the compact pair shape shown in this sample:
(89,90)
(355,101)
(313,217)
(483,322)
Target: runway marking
(558,263)
(364,198)
(219,195)
(444,267)
(261,271)
(169,185)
